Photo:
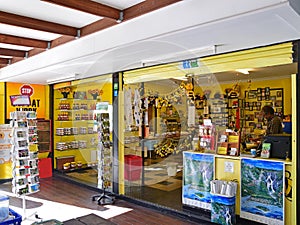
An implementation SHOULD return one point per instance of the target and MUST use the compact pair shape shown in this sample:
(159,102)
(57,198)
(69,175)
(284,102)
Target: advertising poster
(262,191)
(5,143)
(198,172)
(22,94)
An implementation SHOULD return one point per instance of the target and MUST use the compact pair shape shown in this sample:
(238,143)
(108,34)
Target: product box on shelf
(60,161)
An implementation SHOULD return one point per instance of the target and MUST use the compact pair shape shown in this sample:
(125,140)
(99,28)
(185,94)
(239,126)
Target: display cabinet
(75,126)
(228,142)
(44,132)
(219,111)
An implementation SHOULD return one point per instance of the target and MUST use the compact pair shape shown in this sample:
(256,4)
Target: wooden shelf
(44,135)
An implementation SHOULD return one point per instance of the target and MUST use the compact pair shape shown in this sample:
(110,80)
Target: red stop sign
(26,89)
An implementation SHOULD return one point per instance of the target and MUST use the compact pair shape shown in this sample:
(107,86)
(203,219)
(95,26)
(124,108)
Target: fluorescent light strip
(61,79)
(243,71)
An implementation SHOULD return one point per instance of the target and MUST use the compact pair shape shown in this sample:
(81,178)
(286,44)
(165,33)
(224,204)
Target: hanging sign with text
(35,92)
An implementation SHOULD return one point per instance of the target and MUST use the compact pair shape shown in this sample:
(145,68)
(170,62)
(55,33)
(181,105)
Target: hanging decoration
(95,93)
(65,91)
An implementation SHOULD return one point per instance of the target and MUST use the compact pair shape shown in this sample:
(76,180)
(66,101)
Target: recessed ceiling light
(243,71)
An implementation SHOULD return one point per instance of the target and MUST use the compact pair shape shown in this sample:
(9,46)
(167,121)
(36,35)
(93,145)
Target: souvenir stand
(24,155)
(104,155)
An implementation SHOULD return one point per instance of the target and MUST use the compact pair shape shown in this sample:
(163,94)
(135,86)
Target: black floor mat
(91,219)
(73,222)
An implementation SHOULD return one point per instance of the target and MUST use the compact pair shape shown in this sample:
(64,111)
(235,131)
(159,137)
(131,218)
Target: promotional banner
(198,172)
(5,143)
(25,97)
(262,191)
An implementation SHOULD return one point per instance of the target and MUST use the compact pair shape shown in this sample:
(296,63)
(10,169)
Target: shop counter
(262,180)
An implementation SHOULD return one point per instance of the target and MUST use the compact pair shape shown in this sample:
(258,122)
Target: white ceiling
(186,29)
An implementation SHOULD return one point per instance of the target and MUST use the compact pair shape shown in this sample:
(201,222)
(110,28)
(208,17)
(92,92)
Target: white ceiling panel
(46,11)
(26,32)
(168,34)
(119,4)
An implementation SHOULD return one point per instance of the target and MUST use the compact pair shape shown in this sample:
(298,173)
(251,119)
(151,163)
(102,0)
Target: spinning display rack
(24,154)
(104,160)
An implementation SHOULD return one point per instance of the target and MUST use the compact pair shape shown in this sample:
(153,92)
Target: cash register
(281,147)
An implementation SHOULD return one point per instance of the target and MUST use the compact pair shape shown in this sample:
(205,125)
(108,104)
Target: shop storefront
(195,121)
(162,134)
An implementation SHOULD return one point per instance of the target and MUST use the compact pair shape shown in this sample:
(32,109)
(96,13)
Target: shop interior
(230,98)
(164,107)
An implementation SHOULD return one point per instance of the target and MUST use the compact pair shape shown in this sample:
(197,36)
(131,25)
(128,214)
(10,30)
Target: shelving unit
(228,143)
(219,111)
(207,138)
(75,128)
(44,132)
(256,99)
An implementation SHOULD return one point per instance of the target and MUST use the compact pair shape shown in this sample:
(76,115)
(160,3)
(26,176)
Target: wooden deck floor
(59,190)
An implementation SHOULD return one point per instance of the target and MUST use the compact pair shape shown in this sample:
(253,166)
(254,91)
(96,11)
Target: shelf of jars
(76,138)
(75,131)
(70,146)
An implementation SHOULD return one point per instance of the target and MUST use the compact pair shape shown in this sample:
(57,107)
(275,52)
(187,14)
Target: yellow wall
(220,174)
(2,102)
(38,99)
(42,93)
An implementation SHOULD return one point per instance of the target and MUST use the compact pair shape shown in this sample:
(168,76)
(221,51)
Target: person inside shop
(274,123)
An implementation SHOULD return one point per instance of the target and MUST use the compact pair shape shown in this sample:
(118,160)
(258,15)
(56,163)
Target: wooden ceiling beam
(61,40)
(35,51)
(4,61)
(27,22)
(12,52)
(90,7)
(16,59)
(97,26)
(2,65)
(23,41)
(146,7)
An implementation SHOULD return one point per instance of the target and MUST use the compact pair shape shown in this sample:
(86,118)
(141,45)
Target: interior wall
(2,102)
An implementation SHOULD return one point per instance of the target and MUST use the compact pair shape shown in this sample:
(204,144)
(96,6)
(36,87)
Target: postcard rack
(24,154)
(104,155)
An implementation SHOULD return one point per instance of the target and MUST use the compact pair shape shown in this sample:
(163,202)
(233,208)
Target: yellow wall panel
(2,102)
(234,174)
(253,58)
